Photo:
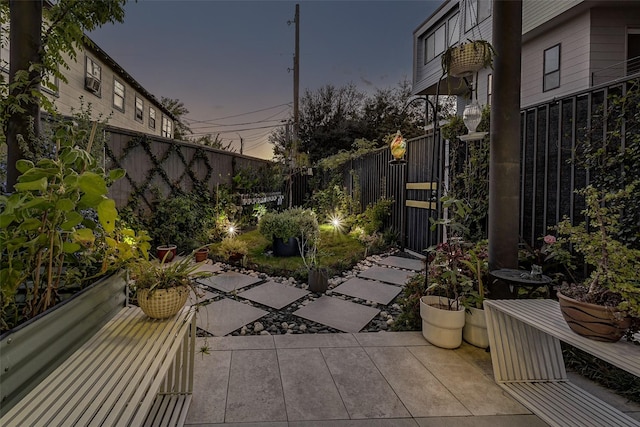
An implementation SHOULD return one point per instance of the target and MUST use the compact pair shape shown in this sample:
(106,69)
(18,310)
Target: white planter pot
(475,328)
(442,328)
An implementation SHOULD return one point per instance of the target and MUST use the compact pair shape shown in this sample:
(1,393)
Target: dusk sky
(226,59)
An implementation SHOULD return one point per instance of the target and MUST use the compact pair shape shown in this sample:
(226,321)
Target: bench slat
(563,404)
(114,378)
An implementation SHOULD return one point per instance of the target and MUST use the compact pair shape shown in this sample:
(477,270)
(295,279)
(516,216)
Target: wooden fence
(162,167)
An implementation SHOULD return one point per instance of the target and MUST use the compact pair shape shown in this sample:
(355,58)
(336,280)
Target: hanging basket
(468,58)
(162,303)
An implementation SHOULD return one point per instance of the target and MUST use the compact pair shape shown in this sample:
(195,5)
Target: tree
(40,39)
(213,142)
(178,110)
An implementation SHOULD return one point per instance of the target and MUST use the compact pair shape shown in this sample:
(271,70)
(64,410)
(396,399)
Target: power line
(193,121)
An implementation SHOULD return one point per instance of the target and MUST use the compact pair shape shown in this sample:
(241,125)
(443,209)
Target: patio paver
(273,294)
(369,290)
(402,262)
(211,268)
(388,275)
(229,281)
(337,313)
(226,315)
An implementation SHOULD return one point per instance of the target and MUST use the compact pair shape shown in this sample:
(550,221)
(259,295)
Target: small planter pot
(166,253)
(236,257)
(440,326)
(285,249)
(475,328)
(596,322)
(162,303)
(318,280)
(201,255)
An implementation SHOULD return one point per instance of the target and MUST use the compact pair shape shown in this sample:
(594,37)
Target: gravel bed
(282,321)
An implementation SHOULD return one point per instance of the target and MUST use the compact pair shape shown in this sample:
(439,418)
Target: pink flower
(549,239)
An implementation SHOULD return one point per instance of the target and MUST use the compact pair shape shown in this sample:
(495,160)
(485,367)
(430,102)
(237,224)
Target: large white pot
(475,328)
(441,327)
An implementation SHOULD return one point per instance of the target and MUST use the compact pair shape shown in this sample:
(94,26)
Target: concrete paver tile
(388,275)
(485,421)
(309,390)
(364,391)
(249,342)
(209,386)
(229,281)
(255,391)
(210,268)
(225,316)
(369,290)
(390,339)
(337,313)
(479,394)
(315,340)
(420,392)
(402,262)
(272,294)
(382,422)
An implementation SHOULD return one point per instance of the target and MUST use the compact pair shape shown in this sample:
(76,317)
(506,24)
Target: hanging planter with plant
(467,58)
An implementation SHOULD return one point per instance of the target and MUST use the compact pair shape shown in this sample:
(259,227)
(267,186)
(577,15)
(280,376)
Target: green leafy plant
(288,223)
(613,280)
(409,318)
(151,274)
(231,246)
(59,229)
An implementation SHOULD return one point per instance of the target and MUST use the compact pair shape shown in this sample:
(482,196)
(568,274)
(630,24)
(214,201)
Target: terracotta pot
(441,327)
(236,257)
(596,322)
(201,255)
(475,328)
(166,253)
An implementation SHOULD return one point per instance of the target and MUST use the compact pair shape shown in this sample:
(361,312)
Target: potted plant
(475,325)
(308,241)
(162,289)
(606,305)
(232,249)
(284,227)
(467,58)
(201,254)
(166,253)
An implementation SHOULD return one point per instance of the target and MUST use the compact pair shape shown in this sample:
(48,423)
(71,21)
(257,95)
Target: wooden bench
(134,371)
(524,338)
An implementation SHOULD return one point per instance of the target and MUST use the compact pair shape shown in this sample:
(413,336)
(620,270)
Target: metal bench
(524,338)
(134,371)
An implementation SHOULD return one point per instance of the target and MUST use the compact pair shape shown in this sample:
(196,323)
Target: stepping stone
(369,290)
(388,275)
(229,281)
(274,294)
(225,316)
(210,268)
(400,262)
(337,313)
(205,294)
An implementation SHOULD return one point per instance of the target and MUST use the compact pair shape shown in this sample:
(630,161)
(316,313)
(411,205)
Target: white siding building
(567,46)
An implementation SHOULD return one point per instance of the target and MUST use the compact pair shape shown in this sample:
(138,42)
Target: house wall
(574,37)
(537,12)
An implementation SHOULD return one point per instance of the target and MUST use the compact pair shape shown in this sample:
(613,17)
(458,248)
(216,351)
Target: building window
(551,68)
(118,95)
(139,109)
(435,43)
(454,30)
(93,77)
(152,117)
(489,88)
(476,11)
(166,130)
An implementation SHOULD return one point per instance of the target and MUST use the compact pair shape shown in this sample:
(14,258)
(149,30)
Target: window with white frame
(166,129)
(551,79)
(489,88)
(93,76)
(152,117)
(476,11)
(435,43)
(453,30)
(118,95)
(139,109)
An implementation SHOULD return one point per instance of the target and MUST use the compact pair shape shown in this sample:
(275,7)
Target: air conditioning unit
(92,84)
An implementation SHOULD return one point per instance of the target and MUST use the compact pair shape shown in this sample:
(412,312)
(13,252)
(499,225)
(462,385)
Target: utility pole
(296,78)
(241,142)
